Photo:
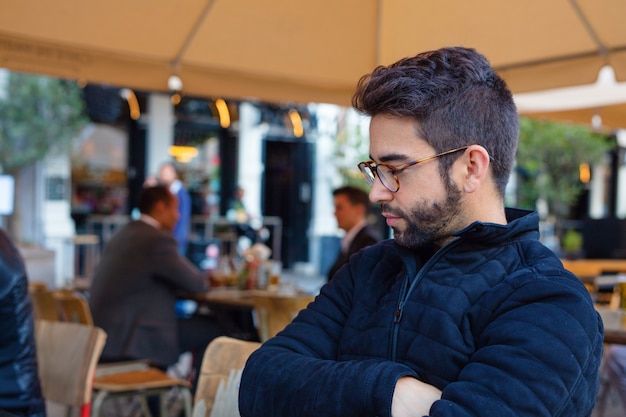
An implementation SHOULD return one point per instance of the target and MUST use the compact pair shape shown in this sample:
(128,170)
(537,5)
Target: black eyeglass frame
(372,167)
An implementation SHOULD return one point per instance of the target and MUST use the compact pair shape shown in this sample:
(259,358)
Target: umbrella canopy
(304,51)
(601,105)
(603,118)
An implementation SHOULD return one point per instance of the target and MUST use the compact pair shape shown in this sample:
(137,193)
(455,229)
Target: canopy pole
(379,11)
(592,33)
(192,34)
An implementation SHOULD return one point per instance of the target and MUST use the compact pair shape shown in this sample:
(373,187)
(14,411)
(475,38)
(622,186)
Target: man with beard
(464,312)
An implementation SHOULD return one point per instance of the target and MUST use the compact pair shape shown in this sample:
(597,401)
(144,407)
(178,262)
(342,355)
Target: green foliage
(548,158)
(351,147)
(572,241)
(37,114)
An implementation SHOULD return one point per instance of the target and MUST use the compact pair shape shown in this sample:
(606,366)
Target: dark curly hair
(356,196)
(456,98)
(150,196)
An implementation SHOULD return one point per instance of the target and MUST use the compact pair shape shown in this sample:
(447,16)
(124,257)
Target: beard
(428,222)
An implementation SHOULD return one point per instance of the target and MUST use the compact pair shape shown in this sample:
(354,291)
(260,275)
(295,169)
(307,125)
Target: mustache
(385,208)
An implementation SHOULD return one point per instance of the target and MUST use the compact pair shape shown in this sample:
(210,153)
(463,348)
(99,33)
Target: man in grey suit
(133,294)
(351,209)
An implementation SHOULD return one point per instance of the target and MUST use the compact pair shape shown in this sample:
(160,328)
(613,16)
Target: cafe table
(239,305)
(586,268)
(223,296)
(235,297)
(614,324)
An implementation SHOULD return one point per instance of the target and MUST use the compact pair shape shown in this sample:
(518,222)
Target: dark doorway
(287,191)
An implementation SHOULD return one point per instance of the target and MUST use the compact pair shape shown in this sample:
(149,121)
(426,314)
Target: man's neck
(150,220)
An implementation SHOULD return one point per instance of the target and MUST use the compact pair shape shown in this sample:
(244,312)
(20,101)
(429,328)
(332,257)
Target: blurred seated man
(20,391)
(351,207)
(135,286)
(614,371)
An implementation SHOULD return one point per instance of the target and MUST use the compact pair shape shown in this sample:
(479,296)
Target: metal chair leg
(187,400)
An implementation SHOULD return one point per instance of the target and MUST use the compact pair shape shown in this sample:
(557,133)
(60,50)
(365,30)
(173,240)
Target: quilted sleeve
(538,354)
(288,376)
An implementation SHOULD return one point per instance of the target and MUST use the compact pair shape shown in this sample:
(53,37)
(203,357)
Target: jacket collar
(519,223)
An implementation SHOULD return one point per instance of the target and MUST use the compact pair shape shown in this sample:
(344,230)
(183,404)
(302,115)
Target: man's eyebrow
(391,157)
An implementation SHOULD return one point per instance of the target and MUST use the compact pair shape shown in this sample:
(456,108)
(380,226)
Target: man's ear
(476,167)
(158,208)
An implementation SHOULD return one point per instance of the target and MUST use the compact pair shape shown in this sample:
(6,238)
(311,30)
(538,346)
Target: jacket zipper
(406,291)
(397,317)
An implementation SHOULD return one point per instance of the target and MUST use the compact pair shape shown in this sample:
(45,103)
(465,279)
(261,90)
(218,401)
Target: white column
(58,226)
(160,122)
(326,179)
(326,174)
(251,166)
(597,191)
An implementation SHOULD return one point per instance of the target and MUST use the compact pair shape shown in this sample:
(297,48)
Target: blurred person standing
(169,177)
(351,209)
(20,389)
(613,371)
(238,213)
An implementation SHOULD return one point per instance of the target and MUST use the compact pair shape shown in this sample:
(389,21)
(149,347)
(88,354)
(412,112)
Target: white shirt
(175,186)
(349,237)
(150,220)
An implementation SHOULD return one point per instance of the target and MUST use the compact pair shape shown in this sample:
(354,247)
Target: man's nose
(379,193)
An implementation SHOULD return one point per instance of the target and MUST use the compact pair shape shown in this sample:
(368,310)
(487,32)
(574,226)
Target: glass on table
(274,272)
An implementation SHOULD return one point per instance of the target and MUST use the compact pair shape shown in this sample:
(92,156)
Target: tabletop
(584,268)
(229,296)
(614,324)
(224,296)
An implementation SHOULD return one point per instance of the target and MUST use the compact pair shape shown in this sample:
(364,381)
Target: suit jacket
(367,236)
(133,294)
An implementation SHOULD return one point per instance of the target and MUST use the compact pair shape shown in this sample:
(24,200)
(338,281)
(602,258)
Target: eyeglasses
(389,174)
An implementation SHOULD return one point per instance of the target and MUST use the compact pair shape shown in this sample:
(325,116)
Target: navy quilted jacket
(20,391)
(492,319)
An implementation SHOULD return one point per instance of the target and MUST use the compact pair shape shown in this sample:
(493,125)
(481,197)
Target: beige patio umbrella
(601,105)
(304,51)
(608,118)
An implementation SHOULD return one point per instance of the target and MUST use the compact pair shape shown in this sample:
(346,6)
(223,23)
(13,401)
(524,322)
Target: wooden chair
(73,307)
(67,355)
(122,379)
(137,378)
(218,382)
(275,311)
(44,304)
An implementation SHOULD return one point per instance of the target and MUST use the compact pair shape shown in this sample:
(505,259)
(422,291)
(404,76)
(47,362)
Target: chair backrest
(275,311)
(67,355)
(44,305)
(73,307)
(223,357)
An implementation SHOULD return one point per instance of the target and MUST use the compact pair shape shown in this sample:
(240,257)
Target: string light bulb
(222,111)
(296,123)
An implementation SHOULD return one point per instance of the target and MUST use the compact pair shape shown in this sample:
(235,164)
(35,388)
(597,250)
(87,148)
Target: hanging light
(596,122)
(222,111)
(176,99)
(584,173)
(296,123)
(133,105)
(183,153)
(174,83)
